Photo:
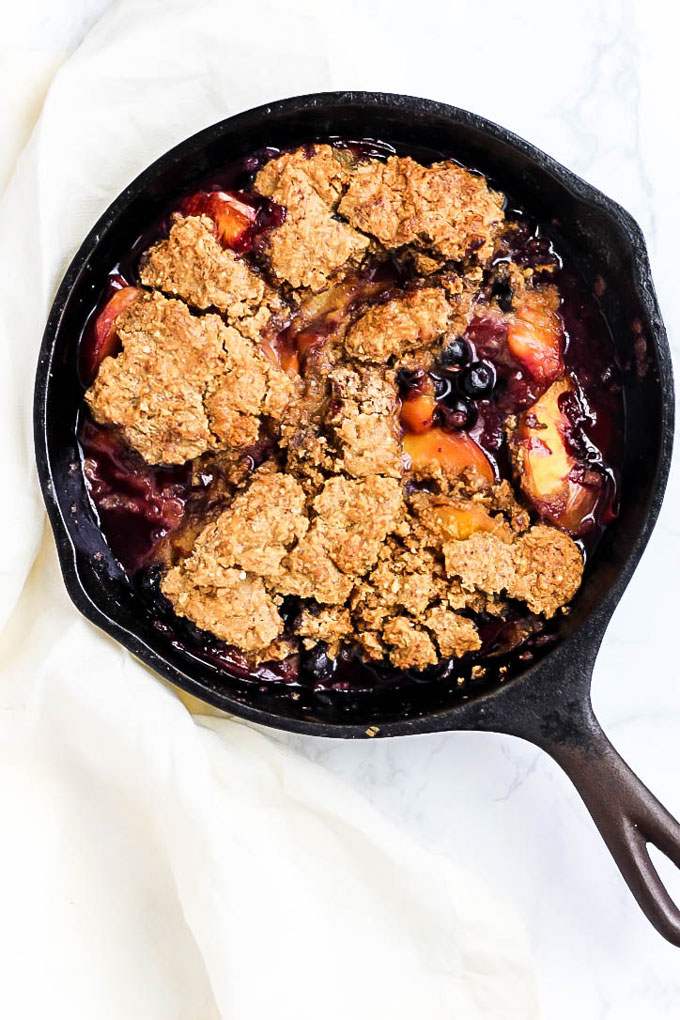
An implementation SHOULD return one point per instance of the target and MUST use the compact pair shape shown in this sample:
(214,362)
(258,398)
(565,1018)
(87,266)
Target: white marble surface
(596,85)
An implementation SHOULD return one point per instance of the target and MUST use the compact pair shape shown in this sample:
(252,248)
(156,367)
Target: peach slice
(283,355)
(547,470)
(536,337)
(317,318)
(457,521)
(309,340)
(104,342)
(416,413)
(454,451)
(231,216)
(330,307)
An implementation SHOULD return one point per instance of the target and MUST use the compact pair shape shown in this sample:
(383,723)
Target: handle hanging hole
(668,873)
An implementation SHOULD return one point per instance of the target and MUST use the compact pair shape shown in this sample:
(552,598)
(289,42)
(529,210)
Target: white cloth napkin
(155,864)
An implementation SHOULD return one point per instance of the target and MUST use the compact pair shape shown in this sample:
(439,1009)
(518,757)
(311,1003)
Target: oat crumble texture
(277,374)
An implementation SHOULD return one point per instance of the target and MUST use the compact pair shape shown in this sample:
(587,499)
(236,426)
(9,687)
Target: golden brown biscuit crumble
(312,245)
(442,209)
(348,534)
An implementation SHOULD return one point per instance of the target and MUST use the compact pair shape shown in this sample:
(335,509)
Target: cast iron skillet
(548,702)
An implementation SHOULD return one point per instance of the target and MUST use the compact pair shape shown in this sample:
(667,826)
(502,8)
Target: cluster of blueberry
(476,379)
(458,382)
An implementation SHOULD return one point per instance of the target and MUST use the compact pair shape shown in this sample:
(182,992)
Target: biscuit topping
(443,209)
(184,384)
(365,379)
(312,245)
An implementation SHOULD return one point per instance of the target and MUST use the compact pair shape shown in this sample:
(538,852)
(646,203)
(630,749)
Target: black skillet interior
(600,237)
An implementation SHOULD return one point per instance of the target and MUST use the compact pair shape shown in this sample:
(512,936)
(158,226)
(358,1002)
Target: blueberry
(289,609)
(316,662)
(478,380)
(252,163)
(409,379)
(443,387)
(457,413)
(149,580)
(455,354)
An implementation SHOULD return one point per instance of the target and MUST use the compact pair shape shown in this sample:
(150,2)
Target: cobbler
(351,407)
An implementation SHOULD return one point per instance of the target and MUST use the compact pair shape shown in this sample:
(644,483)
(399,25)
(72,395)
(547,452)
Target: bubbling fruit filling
(345,409)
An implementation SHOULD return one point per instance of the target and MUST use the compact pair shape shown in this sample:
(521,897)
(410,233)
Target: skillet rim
(465,714)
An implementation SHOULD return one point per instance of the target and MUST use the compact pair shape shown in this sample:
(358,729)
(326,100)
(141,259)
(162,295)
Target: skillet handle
(629,818)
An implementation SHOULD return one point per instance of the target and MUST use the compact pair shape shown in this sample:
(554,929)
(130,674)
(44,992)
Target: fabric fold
(156,864)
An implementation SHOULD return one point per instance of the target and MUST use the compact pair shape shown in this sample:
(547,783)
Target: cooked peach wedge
(418,408)
(231,216)
(535,334)
(459,520)
(282,355)
(548,472)
(331,306)
(416,413)
(105,339)
(455,452)
(317,318)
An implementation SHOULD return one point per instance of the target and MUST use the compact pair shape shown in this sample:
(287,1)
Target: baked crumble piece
(312,245)
(184,384)
(361,363)
(154,389)
(363,423)
(191,264)
(400,326)
(442,210)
